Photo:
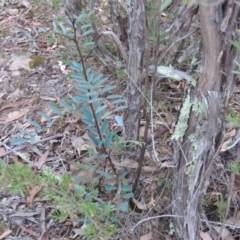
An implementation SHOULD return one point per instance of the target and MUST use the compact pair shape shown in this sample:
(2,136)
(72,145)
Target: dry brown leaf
(108,103)
(149,169)
(205,235)
(77,142)
(43,120)
(2,151)
(226,144)
(234,220)
(44,236)
(41,160)
(60,239)
(10,105)
(15,115)
(126,163)
(29,231)
(32,193)
(5,234)
(79,231)
(140,205)
(232,133)
(165,150)
(147,236)
(226,234)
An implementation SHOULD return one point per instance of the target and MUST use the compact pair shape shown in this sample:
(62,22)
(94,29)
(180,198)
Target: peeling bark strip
(134,69)
(195,152)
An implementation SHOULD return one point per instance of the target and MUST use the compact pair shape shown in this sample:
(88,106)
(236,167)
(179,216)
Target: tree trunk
(196,146)
(119,20)
(134,69)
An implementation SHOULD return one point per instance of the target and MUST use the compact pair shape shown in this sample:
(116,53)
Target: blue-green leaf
(78,77)
(79,99)
(109,187)
(235,44)
(71,44)
(124,207)
(87,32)
(93,130)
(88,44)
(88,70)
(106,175)
(165,4)
(98,116)
(36,125)
(95,140)
(123,174)
(19,141)
(88,121)
(97,77)
(86,113)
(104,127)
(55,27)
(114,220)
(76,66)
(127,195)
(32,139)
(49,124)
(94,100)
(86,26)
(100,82)
(92,94)
(113,96)
(120,108)
(106,89)
(118,101)
(84,88)
(108,139)
(90,77)
(55,109)
(126,188)
(64,30)
(65,104)
(99,109)
(44,115)
(105,115)
(119,120)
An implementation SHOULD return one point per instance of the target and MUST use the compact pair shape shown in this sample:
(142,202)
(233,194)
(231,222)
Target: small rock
(2,3)
(20,61)
(12,11)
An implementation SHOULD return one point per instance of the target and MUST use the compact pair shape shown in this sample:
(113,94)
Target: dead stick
(23,146)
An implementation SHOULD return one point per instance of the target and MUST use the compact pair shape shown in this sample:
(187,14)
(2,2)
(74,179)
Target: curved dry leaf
(6,233)
(2,151)
(28,230)
(140,205)
(147,236)
(15,115)
(126,163)
(226,234)
(41,160)
(234,220)
(32,193)
(205,235)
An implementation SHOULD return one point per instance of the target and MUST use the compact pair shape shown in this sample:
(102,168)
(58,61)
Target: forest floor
(34,68)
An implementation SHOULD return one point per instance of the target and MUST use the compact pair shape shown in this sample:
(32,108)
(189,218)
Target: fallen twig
(14,150)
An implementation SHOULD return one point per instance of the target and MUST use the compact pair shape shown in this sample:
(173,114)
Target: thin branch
(14,150)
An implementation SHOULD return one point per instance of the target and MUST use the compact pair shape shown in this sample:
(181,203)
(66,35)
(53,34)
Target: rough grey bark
(214,88)
(119,18)
(73,7)
(134,69)
(177,34)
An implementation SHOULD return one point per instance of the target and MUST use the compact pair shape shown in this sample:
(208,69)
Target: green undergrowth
(70,198)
